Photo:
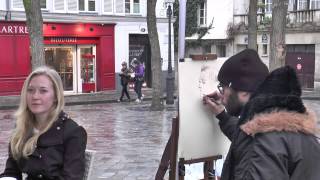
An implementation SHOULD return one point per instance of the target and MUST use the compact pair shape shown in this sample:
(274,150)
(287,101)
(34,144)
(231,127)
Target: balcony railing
(304,16)
(294,18)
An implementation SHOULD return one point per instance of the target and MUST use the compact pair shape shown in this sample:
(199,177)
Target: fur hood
(281,121)
(277,106)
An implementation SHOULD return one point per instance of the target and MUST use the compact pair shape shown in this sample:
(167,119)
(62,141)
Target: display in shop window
(87,73)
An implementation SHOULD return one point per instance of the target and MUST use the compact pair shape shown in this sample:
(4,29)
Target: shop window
(202,14)
(132,6)
(87,5)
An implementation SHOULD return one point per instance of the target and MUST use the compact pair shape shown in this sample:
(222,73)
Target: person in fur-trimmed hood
(273,135)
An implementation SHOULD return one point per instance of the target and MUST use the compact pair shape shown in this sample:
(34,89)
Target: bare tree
(155,56)
(277,40)
(34,24)
(252,29)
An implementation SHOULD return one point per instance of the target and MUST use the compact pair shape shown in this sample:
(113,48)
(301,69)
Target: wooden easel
(169,158)
(208,170)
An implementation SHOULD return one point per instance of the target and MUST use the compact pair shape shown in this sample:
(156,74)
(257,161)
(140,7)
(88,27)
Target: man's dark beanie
(243,71)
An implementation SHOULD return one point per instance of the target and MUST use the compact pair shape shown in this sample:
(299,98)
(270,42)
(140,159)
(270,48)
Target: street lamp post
(170,76)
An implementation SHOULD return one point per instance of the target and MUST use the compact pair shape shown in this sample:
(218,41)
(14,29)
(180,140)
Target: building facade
(302,34)
(85,41)
(218,15)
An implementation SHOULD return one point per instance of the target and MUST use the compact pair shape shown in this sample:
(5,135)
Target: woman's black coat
(59,155)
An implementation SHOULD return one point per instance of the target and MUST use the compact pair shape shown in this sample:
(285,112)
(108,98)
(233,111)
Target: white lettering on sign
(63,40)
(13,29)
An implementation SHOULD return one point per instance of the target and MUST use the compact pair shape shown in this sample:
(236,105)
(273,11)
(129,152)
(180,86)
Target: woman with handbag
(139,78)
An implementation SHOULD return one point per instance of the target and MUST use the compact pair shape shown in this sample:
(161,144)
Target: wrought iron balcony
(296,20)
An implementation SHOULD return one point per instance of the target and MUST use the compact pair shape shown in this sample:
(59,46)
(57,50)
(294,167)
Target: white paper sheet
(199,133)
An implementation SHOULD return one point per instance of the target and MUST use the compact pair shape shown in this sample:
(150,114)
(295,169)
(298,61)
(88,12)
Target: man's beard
(234,106)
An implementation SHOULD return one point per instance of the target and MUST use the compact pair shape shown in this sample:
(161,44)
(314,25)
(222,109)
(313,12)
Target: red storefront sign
(15,64)
(13,29)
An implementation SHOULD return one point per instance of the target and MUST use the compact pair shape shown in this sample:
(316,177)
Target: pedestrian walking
(272,134)
(138,78)
(124,78)
(46,143)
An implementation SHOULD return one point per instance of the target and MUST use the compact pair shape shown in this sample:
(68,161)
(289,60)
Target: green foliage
(266,20)
(27,4)
(191,23)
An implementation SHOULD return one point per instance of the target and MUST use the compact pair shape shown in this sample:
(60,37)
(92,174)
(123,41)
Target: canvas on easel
(199,132)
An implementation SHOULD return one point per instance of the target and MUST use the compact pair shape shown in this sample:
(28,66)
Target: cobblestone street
(129,139)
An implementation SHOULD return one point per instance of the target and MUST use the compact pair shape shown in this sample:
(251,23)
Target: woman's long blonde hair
(24,140)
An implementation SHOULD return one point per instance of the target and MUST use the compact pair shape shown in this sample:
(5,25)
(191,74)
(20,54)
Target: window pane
(127,6)
(81,5)
(268,6)
(302,4)
(315,4)
(43,4)
(291,5)
(92,5)
(201,21)
(202,14)
(221,50)
(136,8)
(265,49)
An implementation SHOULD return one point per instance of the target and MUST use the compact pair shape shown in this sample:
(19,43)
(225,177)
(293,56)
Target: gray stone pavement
(129,139)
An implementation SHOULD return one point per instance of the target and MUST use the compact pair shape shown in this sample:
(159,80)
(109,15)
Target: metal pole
(8,11)
(182,28)
(170,77)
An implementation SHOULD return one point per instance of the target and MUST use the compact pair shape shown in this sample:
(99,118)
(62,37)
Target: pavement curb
(111,96)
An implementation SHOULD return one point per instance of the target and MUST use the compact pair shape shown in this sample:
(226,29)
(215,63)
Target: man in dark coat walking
(273,135)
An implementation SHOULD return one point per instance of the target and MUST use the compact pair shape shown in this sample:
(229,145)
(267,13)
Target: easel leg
(182,169)
(164,163)
(169,156)
(208,170)
(174,148)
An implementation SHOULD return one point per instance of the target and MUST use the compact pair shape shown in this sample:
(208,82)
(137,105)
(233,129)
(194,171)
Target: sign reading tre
(13,29)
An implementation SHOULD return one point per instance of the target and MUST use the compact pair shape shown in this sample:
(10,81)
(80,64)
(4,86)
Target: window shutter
(72,5)
(119,6)
(17,4)
(107,6)
(59,5)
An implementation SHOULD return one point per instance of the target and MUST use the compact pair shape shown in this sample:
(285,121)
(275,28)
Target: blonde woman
(46,143)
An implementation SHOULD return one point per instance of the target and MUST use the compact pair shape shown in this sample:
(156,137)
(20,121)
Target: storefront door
(75,64)
(86,61)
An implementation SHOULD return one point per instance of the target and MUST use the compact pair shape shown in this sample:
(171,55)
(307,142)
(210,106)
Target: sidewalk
(9,102)
(311,95)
